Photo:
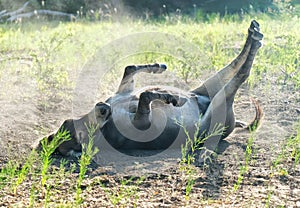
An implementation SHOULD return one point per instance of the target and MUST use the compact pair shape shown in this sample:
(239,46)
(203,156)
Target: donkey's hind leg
(220,110)
(127,83)
(215,83)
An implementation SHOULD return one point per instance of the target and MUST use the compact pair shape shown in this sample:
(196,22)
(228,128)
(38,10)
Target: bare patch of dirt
(163,184)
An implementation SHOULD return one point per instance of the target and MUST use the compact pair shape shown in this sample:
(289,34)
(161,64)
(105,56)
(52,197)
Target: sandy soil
(22,121)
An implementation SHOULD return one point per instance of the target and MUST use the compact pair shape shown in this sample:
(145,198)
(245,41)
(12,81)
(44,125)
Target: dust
(23,120)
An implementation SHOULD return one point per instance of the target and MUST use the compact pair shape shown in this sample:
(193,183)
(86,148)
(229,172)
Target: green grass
(290,151)
(245,167)
(85,160)
(281,165)
(218,42)
(126,192)
(193,145)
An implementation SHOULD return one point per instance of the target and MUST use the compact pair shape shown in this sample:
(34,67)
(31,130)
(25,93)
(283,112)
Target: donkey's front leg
(142,118)
(127,83)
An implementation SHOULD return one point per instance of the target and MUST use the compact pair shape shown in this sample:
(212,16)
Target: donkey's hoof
(254,25)
(171,99)
(163,66)
(159,68)
(257,35)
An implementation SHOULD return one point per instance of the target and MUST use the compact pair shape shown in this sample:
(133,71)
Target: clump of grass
(189,150)
(289,152)
(268,199)
(294,146)
(52,77)
(123,193)
(43,180)
(8,173)
(48,149)
(87,154)
(27,168)
(187,160)
(244,168)
(34,168)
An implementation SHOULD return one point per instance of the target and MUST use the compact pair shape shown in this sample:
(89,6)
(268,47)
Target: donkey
(152,118)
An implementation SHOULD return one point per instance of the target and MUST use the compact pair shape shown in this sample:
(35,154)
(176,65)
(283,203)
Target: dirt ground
(22,121)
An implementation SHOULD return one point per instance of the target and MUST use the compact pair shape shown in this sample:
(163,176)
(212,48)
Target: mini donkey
(152,118)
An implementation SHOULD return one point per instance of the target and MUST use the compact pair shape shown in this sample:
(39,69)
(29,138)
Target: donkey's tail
(255,123)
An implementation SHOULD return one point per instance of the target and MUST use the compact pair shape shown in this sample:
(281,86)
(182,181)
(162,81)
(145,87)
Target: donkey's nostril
(102,111)
(100,104)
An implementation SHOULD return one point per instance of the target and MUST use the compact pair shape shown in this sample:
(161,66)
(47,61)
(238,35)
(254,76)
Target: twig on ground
(41,12)
(16,12)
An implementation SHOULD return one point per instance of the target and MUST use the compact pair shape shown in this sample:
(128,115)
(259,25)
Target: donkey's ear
(68,125)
